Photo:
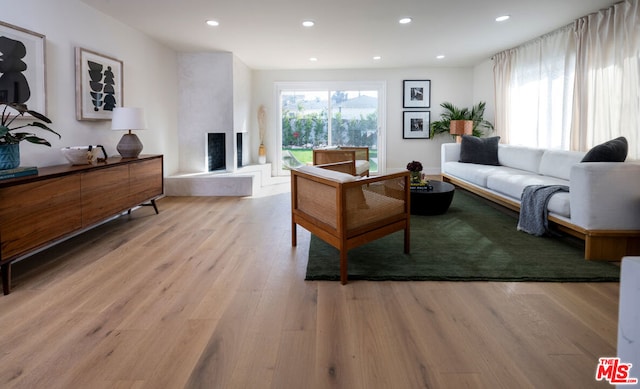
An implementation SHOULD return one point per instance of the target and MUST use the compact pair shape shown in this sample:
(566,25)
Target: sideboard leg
(6,278)
(155,207)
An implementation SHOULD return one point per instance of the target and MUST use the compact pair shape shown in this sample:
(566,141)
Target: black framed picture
(417,93)
(416,124)
(98,85)
(22,77)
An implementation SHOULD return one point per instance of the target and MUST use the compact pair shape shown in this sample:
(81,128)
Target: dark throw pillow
(614,150)
(482,151)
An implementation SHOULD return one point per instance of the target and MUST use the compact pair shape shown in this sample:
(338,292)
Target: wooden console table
(64,200)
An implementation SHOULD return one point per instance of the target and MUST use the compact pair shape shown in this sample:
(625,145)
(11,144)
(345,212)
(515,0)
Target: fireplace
(239,138)
(216,155)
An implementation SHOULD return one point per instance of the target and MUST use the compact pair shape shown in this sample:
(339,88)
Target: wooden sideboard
(61,201)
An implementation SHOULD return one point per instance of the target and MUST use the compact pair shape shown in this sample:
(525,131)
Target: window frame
(330,86)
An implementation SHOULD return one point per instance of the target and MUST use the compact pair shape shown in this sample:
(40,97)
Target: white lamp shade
(127,118)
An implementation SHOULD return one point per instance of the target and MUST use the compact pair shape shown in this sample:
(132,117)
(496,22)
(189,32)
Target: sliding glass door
(322,115)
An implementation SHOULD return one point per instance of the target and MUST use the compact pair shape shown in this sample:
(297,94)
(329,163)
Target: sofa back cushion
(614,150)
(483,151)
(558,163)
(520,157)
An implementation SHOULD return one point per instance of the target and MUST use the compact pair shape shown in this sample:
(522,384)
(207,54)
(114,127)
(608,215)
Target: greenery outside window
(313,115)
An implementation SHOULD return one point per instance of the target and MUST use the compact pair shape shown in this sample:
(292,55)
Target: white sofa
(602,206)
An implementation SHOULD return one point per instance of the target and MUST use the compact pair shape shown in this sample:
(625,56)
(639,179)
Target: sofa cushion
(614,150)
(482,151)
(474,173)
(560,204)
(558,163)
(514,183)
(520,157)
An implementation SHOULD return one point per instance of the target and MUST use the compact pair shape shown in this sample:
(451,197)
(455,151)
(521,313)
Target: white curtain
(607,99)
(535,85)
(575,87)
(502,77)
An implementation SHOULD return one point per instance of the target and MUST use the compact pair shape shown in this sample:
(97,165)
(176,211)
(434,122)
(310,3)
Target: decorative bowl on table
(82,155)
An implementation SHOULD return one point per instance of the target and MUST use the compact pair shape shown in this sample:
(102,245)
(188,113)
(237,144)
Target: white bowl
(80,155)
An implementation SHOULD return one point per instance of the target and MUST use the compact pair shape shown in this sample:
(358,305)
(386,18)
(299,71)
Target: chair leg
(343,267)
(407,241)
(294,235)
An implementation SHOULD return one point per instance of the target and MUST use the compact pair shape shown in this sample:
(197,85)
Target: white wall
(151,81)
(242,104)
(483,88)
(454,85)
(149,73)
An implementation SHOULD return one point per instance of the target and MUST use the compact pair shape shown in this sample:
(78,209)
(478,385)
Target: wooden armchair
(346,211)
(358,155)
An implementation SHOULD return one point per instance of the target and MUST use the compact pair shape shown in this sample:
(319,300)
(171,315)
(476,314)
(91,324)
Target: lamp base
(129,146)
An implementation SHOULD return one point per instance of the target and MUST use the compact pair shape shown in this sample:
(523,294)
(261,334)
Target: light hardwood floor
(210,294)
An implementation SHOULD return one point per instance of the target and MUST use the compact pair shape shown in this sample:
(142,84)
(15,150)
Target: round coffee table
(432,202)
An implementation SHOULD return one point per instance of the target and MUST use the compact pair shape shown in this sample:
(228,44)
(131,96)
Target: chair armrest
(375,201)
(605,195)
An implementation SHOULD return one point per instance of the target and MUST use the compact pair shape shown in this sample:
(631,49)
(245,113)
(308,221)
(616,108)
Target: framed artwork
(417,93)
(416,124)
(98,85)
(22,67)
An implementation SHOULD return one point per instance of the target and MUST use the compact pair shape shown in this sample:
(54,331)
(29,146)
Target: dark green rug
(473,241)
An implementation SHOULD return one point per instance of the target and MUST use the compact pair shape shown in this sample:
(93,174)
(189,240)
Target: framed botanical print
(22,67)
(416,124)
(417,94)
(99,85)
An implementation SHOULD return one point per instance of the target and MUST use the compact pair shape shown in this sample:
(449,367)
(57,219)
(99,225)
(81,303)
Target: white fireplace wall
(242,114)
(205,104)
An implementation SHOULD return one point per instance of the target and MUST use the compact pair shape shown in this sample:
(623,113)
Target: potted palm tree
(452,113)
(10,139)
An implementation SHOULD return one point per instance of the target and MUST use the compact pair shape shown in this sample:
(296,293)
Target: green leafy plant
(451,112)
(9,136)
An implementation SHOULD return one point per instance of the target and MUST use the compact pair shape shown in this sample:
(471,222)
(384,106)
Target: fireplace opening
(216,151)
(239,137)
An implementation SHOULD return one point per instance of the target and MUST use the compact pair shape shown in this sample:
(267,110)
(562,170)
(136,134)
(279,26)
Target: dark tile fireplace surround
(216,150)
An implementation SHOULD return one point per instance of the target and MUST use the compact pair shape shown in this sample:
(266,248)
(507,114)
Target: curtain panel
(607,99)
(575,87)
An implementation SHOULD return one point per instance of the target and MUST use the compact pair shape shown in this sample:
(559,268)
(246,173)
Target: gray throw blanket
(533,208)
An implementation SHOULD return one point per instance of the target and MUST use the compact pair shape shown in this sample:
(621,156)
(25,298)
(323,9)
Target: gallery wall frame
(23,71)
(416,93)
(99,85)
(416,124)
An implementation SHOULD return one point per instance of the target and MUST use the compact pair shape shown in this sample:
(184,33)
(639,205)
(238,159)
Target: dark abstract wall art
(22,67)
(99,85)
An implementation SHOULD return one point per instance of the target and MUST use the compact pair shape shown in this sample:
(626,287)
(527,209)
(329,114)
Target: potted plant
(10,139)
(415,169)
(451,112)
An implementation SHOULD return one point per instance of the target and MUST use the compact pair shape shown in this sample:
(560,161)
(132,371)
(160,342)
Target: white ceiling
(267,34)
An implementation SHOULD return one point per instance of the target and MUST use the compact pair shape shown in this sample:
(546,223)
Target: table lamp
(460,127)
(128,119)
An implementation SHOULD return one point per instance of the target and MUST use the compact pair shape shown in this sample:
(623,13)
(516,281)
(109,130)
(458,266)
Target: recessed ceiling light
(313,59)
(440,56)
(308,23)
(404,21)
(213,23)
(502,18)
(377,58)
